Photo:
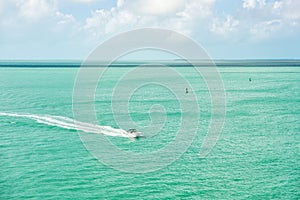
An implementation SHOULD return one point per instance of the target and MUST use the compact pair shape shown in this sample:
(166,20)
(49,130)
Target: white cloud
(287,9)
(34,19)
(154,7)
(266,28)
(36,9)
(64,18)
(291,9)
(84,1)
(197,9)
(97,21)
(268,19)
(180,15)
(251,4)
(224,27)
(22,13)
(120,3)
(277,5)
(252,20)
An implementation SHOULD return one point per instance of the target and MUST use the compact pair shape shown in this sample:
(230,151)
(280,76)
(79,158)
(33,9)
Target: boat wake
(71,124)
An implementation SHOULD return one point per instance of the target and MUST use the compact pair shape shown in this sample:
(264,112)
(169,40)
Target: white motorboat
(134,133)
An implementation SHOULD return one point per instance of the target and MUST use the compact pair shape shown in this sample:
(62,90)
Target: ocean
(42,155)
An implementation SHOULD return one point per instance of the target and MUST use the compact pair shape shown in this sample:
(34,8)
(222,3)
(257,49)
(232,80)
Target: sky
(226,29)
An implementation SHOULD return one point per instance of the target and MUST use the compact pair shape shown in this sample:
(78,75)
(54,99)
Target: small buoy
(186,90)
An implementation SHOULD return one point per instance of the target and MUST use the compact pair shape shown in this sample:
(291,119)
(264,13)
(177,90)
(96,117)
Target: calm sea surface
(256,157)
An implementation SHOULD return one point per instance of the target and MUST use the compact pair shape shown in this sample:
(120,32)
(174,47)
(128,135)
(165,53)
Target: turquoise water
(256,157)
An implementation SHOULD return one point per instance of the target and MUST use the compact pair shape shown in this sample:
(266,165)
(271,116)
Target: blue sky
(227,29)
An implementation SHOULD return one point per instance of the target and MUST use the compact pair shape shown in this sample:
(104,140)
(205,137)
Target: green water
(256,157)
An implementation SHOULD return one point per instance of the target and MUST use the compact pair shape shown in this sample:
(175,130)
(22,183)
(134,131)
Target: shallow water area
(257,155)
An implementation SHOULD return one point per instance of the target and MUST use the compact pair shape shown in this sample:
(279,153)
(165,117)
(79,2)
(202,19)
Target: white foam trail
(68,123)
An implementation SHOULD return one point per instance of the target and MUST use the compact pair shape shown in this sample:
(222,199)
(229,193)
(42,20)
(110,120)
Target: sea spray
(71,124)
